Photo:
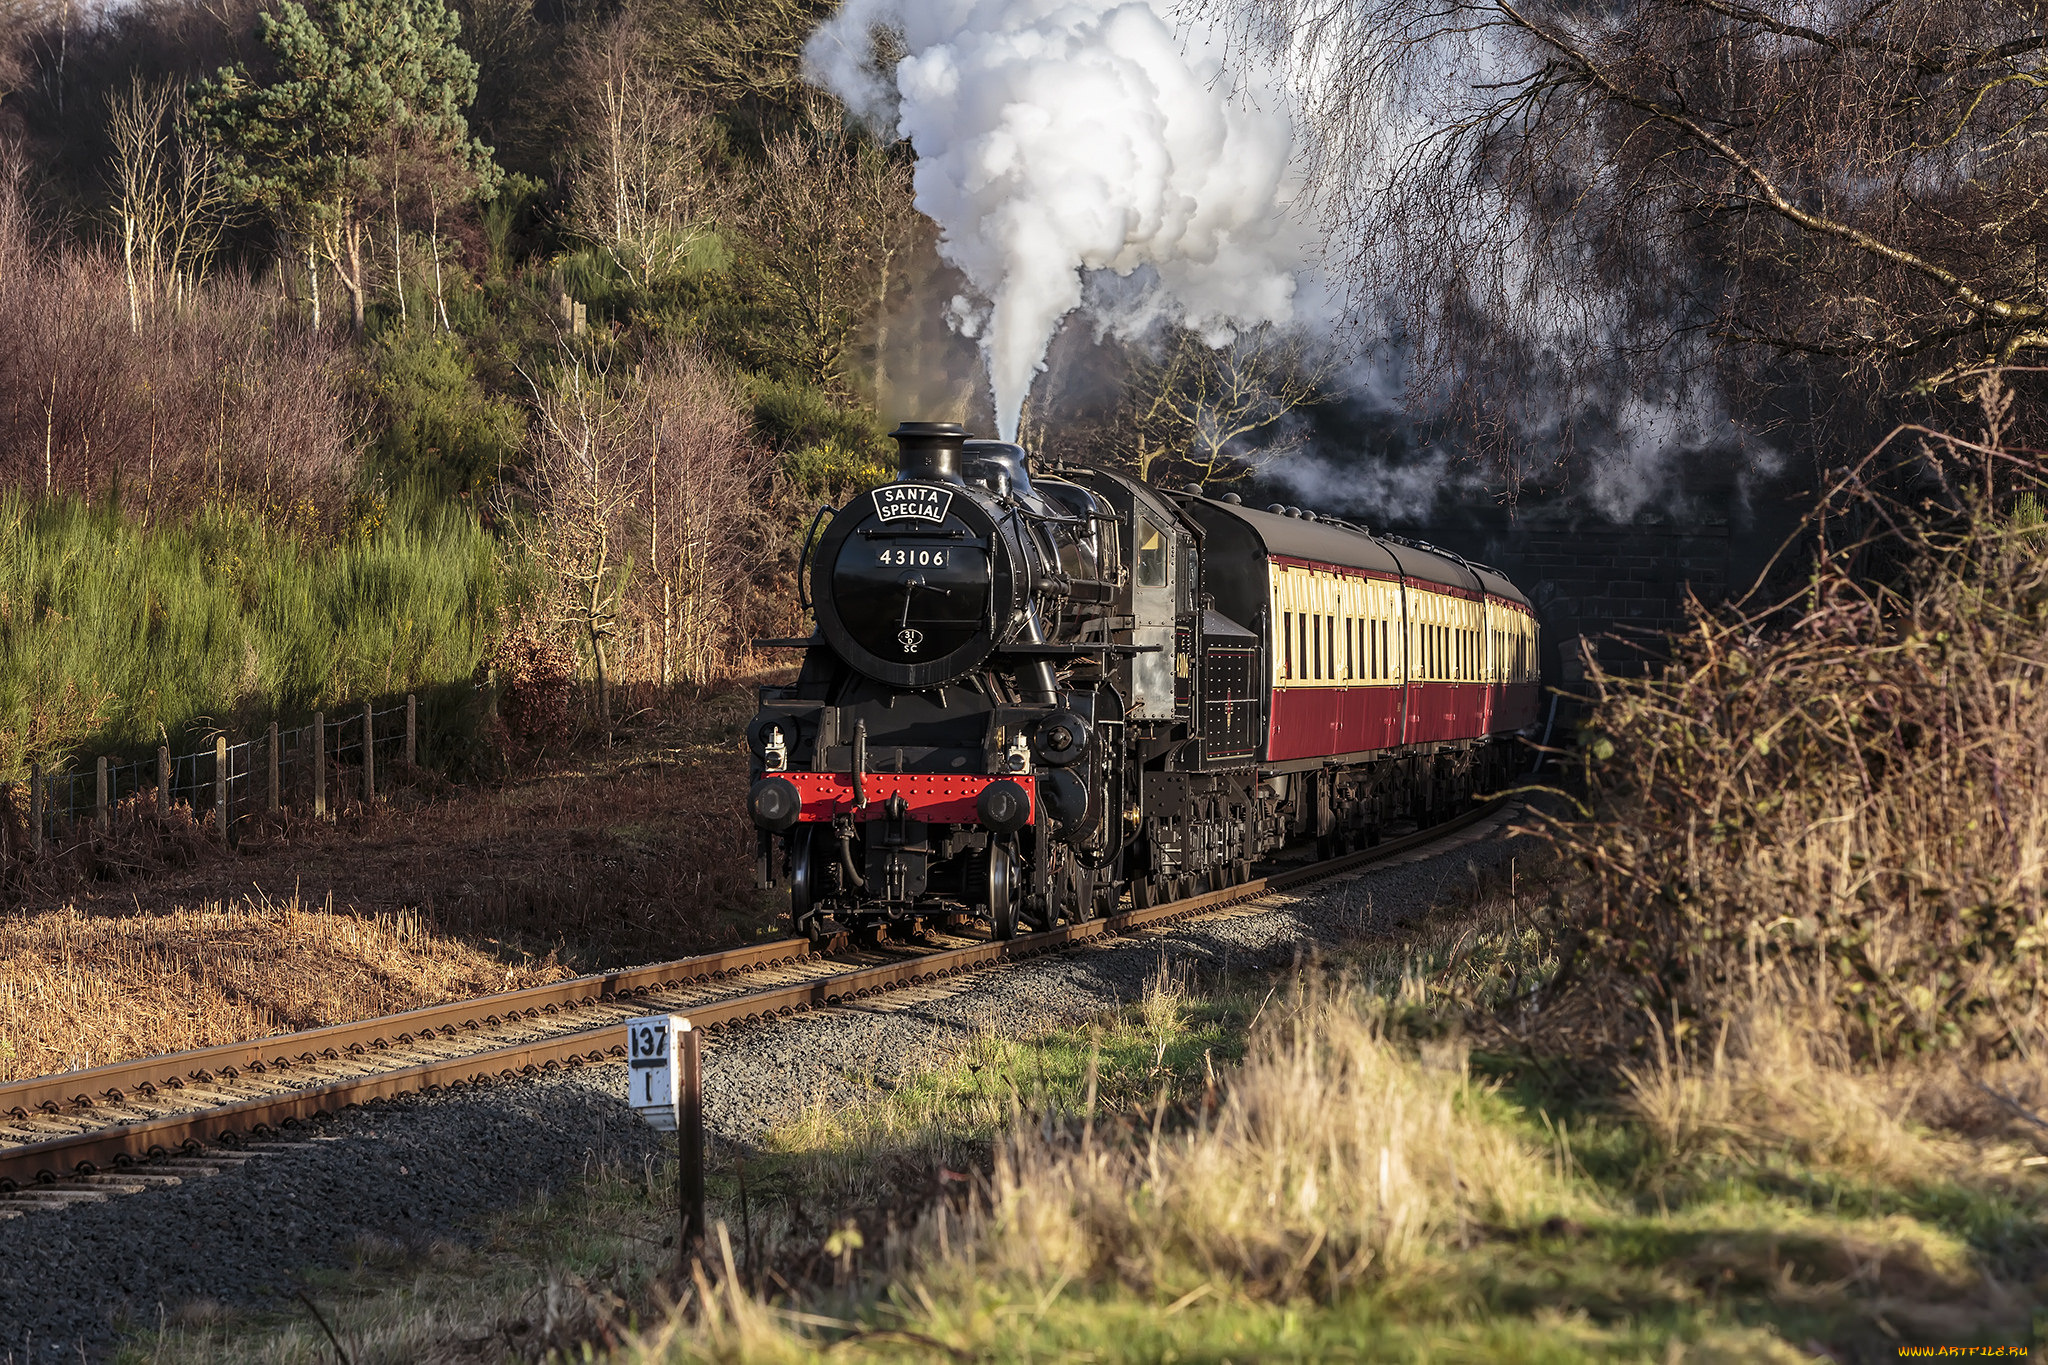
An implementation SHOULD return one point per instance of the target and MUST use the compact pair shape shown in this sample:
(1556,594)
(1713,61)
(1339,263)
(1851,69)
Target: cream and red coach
(1027,696)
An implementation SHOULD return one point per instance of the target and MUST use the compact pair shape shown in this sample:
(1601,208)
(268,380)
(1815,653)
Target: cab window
(1152,551)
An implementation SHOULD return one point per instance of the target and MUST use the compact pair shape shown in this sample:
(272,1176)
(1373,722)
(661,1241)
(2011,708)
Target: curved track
(99,1126)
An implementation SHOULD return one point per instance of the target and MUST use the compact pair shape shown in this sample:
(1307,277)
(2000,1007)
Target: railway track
(85,1135)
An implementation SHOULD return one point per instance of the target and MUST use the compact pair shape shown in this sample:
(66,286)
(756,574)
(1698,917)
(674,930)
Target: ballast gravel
(413,1170)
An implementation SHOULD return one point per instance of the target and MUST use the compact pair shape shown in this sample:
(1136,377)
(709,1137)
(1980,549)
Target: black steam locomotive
(1028,696)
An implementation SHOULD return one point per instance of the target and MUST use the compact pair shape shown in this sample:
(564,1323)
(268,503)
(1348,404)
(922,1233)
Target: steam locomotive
(1028,696)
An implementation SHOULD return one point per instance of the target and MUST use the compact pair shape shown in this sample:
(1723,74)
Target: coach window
(1152,552)
(1286,644)
(1316,645)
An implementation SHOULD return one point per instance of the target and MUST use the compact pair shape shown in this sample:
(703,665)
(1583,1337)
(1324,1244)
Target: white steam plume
(1059,137)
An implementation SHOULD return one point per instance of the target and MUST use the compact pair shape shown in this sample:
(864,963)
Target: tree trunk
(604,696)
(354,280)
(128,265)
(313,273)
(397,254)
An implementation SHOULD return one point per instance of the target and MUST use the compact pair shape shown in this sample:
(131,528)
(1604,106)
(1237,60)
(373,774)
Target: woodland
(561,318)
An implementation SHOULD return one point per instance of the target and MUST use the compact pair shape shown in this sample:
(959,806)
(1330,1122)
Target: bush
(535,675)
(825,450)
(215,396)
(441,432)
(115,635)
(1837,809)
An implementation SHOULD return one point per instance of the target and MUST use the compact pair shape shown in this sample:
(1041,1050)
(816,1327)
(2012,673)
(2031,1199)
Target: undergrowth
(1817,838)
(116,636)
(1307,1165)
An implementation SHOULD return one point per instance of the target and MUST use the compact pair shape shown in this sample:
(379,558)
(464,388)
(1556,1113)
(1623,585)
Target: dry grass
(83,990)
(623,856)
(1334,1157)
(1344,1192)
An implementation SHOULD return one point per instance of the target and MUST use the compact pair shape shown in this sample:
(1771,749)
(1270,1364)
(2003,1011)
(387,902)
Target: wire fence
(336,760)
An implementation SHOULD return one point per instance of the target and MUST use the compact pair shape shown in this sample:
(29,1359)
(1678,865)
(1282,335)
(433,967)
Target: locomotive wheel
(803,911)
(1076,893)
(1002,893)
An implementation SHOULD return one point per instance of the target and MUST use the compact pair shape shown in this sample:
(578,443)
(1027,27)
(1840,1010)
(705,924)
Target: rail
(73,1096)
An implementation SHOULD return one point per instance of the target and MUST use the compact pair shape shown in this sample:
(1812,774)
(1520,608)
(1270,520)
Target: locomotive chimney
(929,450)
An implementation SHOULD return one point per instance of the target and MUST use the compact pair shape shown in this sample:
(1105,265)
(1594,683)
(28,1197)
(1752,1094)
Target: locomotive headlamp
(1003,806)
(775,804)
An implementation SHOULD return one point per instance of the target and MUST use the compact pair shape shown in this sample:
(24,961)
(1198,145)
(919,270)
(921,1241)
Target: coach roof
(1326,542)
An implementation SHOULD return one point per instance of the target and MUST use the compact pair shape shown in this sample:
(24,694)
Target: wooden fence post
(412,731)
(319,763)
(688,1044)
(100,816)
(275,795)
(35,804)
(220,785)
(163,779)
(369,754)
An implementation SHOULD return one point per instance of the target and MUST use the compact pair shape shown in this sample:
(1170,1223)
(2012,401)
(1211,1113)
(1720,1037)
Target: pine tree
(366,98)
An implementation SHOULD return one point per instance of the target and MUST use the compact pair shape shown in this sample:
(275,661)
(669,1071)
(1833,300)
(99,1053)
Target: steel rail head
(81,1153)
(76,1089)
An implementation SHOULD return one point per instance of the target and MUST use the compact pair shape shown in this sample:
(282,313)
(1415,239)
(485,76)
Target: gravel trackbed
(416,1169)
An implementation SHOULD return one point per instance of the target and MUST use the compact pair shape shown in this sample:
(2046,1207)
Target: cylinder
(929,450)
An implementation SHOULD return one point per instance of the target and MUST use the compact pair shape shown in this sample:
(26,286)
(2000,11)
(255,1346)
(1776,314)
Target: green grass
(115,636)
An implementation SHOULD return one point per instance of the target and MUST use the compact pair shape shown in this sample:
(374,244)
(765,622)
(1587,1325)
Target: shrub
(115,635)
(440,430)
(825,450)
(535,676)
(213,397)
(1837,808)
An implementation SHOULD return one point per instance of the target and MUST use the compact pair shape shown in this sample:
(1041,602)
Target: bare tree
(172,208)
(740,51)
(216,399)
(18,20)
(704,475)
(581,488)
(636,185)
(1219,414)
(640,499)
(829,212)
(1545,190)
